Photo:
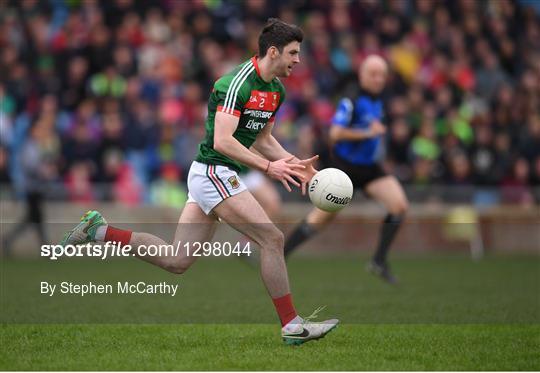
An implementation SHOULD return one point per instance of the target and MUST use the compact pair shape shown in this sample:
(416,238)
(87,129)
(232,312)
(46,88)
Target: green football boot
(85,231)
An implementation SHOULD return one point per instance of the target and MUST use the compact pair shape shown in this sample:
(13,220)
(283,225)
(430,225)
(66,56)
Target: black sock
(389,230)
(303,232)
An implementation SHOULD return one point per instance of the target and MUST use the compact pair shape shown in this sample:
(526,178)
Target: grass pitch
(257,347)
(448,314)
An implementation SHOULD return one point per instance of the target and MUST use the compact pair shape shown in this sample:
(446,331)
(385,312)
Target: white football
(330,189)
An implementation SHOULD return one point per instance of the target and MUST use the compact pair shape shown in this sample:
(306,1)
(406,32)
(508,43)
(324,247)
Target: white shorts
(253,179)
(208,185)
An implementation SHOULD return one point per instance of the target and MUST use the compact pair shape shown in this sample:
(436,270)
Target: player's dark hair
(278,34)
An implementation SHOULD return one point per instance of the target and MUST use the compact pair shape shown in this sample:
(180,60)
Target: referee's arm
(341,129)
(339,133)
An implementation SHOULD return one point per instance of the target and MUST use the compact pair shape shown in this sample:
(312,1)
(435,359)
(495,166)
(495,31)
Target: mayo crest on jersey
(242,93)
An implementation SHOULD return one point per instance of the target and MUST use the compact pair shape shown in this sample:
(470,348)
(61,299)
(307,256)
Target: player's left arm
(268,146)
(271,149)
(266,143)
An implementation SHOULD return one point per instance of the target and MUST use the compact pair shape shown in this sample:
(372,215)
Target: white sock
(297,320)
(100,233)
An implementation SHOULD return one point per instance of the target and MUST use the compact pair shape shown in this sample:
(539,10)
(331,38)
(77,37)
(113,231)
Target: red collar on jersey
(256,64)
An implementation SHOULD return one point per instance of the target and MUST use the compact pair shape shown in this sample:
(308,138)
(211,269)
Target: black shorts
(361,175)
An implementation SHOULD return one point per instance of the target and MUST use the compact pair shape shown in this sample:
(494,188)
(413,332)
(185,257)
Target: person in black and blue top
(356,138)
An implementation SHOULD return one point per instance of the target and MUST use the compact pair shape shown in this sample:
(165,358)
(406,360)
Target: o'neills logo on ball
(313,185)
(337,200)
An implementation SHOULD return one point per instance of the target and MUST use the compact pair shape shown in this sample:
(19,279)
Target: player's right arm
(341,131)
(226,144)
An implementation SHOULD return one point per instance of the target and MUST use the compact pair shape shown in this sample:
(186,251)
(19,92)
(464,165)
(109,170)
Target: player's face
(287,59)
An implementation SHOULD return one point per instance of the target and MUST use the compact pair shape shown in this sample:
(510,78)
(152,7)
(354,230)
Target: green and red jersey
(242,93)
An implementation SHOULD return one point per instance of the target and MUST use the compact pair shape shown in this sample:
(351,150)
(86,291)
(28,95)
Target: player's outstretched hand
(308,172)
(284,170)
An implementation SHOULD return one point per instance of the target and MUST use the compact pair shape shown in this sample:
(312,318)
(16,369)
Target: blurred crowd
(107,99)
